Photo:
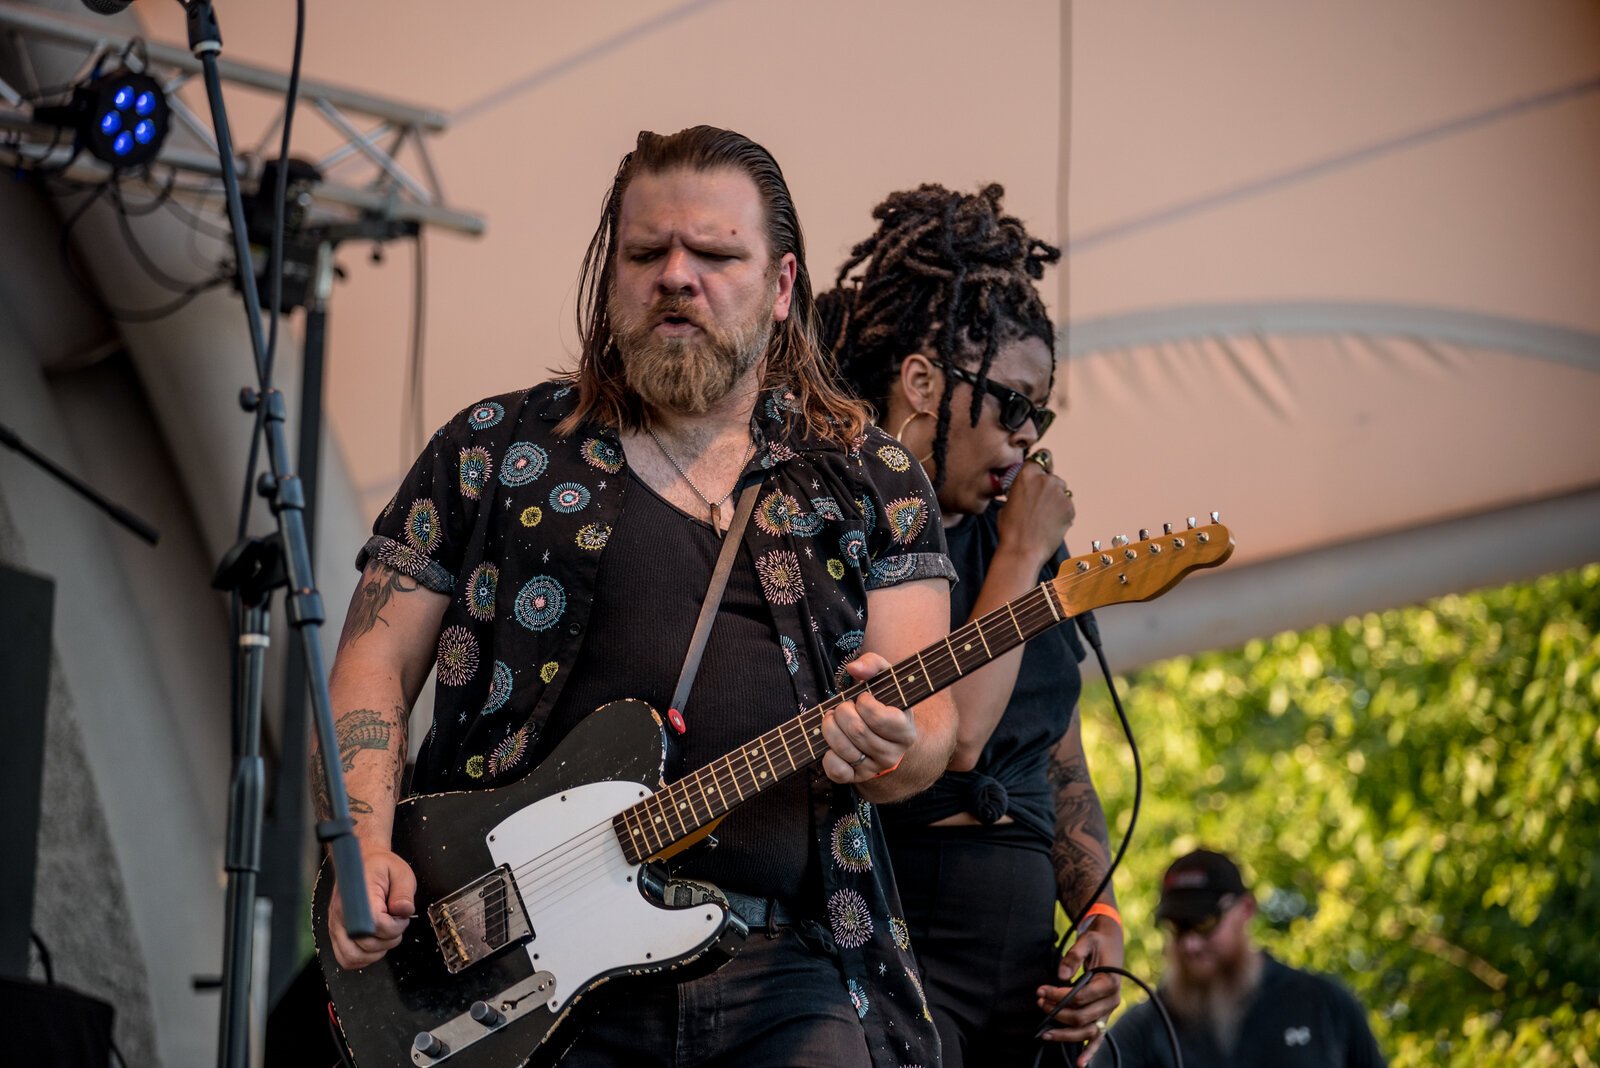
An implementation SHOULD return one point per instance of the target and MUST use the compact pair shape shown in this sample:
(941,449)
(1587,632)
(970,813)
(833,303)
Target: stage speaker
(27,602)
(53,1025)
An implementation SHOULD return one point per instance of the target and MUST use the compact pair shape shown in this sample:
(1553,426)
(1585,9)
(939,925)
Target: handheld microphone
(107,7)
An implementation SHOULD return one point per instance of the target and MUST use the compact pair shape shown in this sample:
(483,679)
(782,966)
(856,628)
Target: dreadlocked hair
(795,359)
(946,274)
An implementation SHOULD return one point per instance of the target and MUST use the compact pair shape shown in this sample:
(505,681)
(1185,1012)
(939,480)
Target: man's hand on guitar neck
(392,893)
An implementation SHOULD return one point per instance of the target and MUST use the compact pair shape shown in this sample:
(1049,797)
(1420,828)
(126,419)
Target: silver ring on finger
(858,761)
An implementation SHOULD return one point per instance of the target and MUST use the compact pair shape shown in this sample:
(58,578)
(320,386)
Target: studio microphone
(107,7)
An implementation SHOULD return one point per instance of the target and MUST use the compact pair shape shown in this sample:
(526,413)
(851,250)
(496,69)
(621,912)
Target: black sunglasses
(1015,408)
(1204,927)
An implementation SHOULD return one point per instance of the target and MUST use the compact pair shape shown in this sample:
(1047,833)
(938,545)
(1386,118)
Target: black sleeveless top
(1011,775)
(643,617)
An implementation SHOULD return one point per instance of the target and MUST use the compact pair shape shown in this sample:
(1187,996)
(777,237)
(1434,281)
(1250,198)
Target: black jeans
(780,1003)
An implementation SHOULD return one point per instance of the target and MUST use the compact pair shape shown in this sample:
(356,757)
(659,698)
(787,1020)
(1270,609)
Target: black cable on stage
(1091,632)
(44,957)
(125,315)
(153,205)
(156,273)
(411,428)
(275,261)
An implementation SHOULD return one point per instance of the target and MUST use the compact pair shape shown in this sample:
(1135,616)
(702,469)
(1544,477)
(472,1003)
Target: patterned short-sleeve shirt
(511,522)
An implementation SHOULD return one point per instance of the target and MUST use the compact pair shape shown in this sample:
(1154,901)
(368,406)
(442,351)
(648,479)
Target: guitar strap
(708,607)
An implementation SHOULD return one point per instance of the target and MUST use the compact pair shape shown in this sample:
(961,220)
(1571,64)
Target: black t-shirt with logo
(1295,1020)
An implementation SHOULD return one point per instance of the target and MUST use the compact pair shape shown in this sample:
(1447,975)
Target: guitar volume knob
(428,1044)
(486,1014)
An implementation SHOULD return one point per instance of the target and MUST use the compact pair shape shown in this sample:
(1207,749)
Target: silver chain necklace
(716,505)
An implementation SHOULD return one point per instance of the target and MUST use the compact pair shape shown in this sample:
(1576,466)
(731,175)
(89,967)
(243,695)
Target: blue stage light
(121,118)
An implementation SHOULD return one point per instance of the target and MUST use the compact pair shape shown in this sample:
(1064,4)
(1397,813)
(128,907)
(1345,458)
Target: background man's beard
(689,374)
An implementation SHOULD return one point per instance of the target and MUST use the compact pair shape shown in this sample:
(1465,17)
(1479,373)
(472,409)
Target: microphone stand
(11,439)
(252,568)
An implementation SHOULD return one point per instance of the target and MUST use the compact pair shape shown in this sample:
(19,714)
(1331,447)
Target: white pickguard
(582,895)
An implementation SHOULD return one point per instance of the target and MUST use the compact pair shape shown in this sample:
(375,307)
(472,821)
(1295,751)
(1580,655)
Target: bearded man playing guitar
(549,552)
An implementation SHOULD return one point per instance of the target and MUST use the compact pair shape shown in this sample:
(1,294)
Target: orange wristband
(1100,908)
(886,771)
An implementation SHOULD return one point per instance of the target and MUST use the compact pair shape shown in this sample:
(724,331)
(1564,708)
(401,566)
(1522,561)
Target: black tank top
(652,579)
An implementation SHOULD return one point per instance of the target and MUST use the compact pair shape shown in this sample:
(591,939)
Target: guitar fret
(927,682)
(894,677)
(766,754)
(715,804)
(786,754)
(694,796)
(951,653)
(1013,613)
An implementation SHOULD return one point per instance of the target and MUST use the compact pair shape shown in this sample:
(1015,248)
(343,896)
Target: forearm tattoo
(358,730)
(367,610)
(1082,849)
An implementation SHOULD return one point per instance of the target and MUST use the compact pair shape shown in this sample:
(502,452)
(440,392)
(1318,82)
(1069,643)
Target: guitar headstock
(1139,570)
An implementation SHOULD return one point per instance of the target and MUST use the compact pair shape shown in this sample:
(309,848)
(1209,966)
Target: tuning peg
(1130,554)
(1095,545)
(1120,540)
(1192,523)
(1215,517)
(1166,528)
(1144,535)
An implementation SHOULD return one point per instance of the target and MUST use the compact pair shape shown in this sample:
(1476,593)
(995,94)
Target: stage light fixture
(121,118)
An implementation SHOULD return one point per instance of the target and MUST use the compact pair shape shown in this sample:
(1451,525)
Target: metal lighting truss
(362,176)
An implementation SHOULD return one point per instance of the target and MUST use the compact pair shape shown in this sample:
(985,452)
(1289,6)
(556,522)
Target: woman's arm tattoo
(1082,849)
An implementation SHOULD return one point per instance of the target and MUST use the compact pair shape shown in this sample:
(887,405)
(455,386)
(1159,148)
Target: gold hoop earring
(899,435)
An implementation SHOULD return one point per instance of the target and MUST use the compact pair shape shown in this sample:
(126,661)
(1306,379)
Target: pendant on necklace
(716,518)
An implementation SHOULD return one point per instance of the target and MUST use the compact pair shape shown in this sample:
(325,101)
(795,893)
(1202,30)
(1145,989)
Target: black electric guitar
(532,895)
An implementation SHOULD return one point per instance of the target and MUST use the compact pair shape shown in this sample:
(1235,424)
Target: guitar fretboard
(679,810)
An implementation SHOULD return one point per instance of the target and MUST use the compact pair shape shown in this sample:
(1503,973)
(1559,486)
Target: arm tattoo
(357,730)
(1082,850)
(366,612)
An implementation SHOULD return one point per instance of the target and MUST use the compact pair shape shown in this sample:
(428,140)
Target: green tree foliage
(1416,797)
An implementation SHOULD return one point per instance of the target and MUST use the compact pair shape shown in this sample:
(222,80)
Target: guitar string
(528,877)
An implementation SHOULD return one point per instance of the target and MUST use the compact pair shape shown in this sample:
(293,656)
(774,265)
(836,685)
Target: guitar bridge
(479,920)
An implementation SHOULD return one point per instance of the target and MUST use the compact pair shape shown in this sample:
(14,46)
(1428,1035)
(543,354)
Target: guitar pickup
(479,920)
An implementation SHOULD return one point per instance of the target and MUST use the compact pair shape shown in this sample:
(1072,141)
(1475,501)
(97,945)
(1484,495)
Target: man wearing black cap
(1231,1003)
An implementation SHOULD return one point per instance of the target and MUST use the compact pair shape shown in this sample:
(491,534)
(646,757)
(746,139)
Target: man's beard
(687,374)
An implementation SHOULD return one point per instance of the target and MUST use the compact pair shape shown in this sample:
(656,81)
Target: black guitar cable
(1090,630)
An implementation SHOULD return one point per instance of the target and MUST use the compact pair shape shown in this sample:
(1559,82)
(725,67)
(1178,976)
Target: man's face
(1210,951)
(695,292)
